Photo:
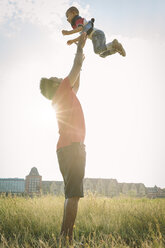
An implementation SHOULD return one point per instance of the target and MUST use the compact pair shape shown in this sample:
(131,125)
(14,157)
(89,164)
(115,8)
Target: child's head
(48,86)
(71,13)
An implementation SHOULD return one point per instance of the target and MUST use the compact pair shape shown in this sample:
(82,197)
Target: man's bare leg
(70,212)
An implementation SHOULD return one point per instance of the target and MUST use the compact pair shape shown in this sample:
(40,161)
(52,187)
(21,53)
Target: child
(97,36)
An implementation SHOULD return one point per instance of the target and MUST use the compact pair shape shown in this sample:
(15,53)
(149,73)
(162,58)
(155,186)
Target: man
(70,147)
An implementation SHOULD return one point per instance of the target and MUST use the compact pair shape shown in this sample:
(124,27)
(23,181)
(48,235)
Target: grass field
(101,222)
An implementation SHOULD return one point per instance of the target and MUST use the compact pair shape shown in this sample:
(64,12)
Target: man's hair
(48,86)
(72,9)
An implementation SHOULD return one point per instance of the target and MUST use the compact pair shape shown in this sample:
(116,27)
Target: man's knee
(74,199)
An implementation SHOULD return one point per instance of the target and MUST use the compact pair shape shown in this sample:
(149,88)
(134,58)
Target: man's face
(55,83)
(70,16)
(48,94)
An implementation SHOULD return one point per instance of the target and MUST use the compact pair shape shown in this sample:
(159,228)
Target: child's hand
(65,32)
(70,42)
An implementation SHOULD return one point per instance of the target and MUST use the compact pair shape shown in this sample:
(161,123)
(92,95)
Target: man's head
(71,13)
(48,86)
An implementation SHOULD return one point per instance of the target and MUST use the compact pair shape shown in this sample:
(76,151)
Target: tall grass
(101,222)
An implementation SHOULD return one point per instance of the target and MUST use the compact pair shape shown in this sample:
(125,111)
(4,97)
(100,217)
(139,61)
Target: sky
(123,98)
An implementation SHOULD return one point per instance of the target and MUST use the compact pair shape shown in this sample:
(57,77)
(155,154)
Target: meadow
(122,222)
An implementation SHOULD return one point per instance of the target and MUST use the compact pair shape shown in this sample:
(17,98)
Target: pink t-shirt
(69,115)
(77,22)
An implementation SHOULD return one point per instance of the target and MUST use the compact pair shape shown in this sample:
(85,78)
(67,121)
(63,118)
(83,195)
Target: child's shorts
(72,161)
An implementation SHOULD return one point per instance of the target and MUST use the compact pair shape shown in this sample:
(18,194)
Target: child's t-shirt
(79,21)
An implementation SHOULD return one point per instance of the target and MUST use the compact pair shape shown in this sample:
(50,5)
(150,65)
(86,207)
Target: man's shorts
(72,161)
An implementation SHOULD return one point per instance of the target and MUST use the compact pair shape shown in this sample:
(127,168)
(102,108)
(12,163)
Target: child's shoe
(112,48)
(118,47)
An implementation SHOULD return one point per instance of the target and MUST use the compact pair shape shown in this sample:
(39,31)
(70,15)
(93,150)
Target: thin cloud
(41,12)
(48,13)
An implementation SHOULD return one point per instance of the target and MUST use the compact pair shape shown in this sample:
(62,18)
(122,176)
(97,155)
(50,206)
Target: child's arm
(73,31)
(70,42)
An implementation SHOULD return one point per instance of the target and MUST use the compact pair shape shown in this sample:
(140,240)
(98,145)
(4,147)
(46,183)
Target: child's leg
(112,48)
(99,42)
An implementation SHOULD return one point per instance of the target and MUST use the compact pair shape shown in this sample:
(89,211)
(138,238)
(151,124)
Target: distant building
(155,192)
(53,187)
(133,189)
(12,185)
(107,187)
(33,182)
(33,185)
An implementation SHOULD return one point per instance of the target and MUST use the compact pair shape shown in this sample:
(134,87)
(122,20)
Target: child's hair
(72,9)
(48,87)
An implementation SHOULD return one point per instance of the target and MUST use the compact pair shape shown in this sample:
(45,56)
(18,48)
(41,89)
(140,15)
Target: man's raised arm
(75,71)
(76,84)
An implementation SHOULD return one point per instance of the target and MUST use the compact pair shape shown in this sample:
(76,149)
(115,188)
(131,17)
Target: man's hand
(65,32)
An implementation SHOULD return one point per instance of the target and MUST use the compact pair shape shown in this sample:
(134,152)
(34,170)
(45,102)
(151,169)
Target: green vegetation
(101,222)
